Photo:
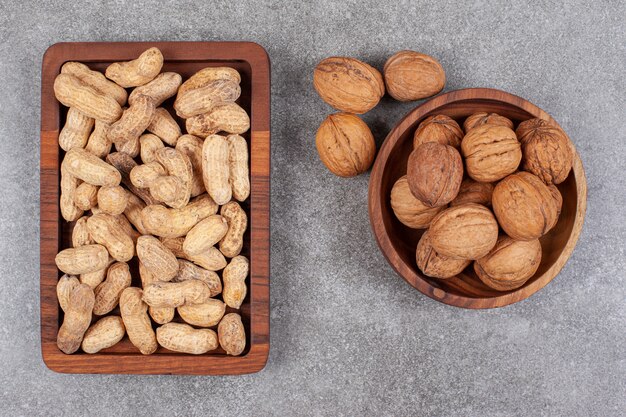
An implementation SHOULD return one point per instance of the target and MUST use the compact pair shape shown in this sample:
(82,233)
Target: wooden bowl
(185,58)
(398,242)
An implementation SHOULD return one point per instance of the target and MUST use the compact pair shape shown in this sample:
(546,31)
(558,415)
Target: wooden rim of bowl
(416,279)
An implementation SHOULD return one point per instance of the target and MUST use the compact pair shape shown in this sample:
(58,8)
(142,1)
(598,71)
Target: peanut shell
(107,231)
(132,124)
(82,260)
(207,314)
(135,316)
(238,164)
(211,260)
(86,196)
(149,144)
(162,87)
(208,75)
(180,337)
(106,332)
(76,320)
(231,334)
(108,292)
(232,242)
(175,294)
(191,146)
(215,169)
(98,142)
(234,277)
(89,168)
(187,270)
(226,117)
(76,131)
(95,80)
(65,286)
(80,233)
(157,258)
(137,72)
(164,126)
(169,223)
(112,199)
(202,99)
(205,234)
(72,92)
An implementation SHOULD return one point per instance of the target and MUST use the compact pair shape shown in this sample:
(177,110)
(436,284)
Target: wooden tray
(185,58)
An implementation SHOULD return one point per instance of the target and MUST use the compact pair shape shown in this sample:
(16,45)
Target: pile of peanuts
(156,197)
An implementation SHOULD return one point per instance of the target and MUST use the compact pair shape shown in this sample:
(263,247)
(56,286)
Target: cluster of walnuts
(344,141)
(513,172)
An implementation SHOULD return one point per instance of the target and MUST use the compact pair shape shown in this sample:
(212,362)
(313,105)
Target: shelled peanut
(139,189)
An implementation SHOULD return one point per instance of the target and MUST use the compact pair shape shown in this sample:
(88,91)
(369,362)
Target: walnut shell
(547,150)
(412,76)
(474,192)
(468,231)
(345,144)
(434,264)
(491,152)
(434,173)
(483,118)
(348,84)
(509,264)
(439,128)
(559,201)
(409,210)
(525,207)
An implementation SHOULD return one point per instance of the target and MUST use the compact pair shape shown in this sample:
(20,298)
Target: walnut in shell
(348,84)
(546,149)
(439,128)
(525,207)
(434,264)
(483,118)
(410,76)
(345,144)
(468,231)
(509,264)
(491,152)
(434,173)
(474,192)
(409,210)
(559,201)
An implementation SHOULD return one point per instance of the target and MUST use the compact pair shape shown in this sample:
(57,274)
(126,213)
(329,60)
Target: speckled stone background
(349,337)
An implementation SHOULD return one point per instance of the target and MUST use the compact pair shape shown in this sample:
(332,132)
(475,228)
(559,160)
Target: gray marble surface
(349,337)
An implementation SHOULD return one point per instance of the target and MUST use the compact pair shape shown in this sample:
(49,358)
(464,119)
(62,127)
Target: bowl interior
(403,240)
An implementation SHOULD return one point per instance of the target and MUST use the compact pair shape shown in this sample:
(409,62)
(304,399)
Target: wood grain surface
(186,58)
(398,242)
